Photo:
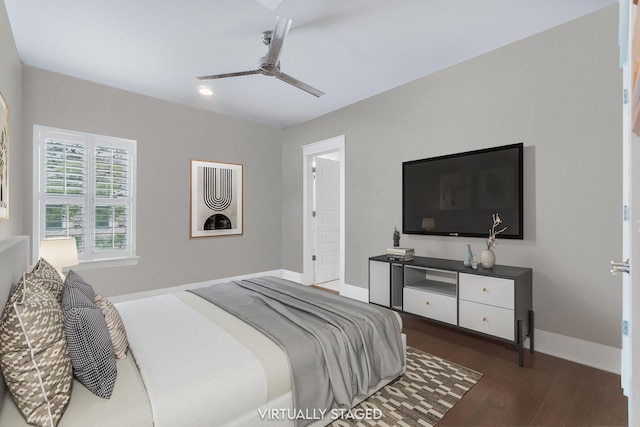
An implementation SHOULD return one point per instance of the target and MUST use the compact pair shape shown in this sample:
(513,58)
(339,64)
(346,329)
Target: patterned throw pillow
(33,351)
(46,278)
(116,327)
(92,356)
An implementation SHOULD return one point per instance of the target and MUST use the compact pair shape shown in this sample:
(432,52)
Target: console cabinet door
(488,319)
(380,283)
(487,290)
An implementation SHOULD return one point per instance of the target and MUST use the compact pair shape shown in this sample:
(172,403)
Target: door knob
(619,267)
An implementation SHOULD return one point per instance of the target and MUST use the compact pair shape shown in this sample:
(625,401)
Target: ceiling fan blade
(277,40)
(300,85)
(222,76)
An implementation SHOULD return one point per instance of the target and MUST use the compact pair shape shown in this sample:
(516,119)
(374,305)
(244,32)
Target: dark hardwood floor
(547,391)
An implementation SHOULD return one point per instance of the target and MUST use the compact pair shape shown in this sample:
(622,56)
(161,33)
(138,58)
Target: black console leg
(531,325)
(520,344)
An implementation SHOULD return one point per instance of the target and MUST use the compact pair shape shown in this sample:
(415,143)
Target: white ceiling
(350,49)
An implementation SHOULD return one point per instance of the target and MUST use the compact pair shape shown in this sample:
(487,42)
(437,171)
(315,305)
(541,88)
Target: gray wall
(11,89)
(168,136)
(558,92)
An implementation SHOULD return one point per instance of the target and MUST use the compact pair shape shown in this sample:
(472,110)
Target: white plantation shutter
(64,182)
(65,168)
(86,191)
(112,189)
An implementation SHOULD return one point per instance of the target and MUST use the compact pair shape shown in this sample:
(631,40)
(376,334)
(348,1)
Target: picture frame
(4,158)
(216,196)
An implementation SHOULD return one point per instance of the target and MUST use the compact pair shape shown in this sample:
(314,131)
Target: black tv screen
(456,195)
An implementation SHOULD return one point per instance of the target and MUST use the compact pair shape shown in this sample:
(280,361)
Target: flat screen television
(457,194)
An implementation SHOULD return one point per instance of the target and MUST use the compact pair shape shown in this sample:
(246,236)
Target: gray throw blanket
(338,348)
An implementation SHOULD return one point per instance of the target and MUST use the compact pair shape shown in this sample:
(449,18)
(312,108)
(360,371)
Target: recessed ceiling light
(205,91)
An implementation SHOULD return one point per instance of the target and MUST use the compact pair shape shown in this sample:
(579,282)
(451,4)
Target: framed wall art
(4,159)
(216,199)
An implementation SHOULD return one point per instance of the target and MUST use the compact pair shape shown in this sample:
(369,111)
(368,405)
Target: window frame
(90,201)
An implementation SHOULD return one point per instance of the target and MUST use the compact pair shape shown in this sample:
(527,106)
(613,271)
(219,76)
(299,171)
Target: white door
(630,361)
(327,220)
(631,286)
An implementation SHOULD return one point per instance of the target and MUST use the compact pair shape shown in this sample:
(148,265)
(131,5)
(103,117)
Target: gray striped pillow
(114,323)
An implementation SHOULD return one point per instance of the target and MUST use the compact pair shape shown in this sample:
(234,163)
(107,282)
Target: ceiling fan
(269,64)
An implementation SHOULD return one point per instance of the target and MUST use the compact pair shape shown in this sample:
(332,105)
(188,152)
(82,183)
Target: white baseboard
(354,292)
(575,350)
(291,275)
(580,351)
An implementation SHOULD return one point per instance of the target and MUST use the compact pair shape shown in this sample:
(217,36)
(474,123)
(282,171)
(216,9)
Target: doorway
(324,213)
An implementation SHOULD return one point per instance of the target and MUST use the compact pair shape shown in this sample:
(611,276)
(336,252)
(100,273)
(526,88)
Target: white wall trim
(575,350)
(325,146)
(291,275)
(354,292)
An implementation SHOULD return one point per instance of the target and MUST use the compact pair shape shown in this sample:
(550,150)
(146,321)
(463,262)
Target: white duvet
(196,373)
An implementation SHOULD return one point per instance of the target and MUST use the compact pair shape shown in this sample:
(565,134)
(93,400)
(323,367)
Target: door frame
(631,204)
(331,145)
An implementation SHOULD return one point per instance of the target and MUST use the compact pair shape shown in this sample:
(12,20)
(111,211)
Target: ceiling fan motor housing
(268,69)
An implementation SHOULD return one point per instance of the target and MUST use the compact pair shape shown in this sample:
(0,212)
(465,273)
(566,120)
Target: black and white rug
(420,397)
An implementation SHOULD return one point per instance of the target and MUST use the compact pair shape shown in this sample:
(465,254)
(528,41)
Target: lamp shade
(60,253)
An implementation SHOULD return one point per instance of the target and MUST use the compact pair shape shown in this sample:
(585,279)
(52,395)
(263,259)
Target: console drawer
(496,321)
(432,305)
(487,290)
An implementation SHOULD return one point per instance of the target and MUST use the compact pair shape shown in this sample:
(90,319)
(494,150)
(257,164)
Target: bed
(212,356)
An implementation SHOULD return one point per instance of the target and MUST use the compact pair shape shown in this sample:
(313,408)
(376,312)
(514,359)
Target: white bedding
(190,365)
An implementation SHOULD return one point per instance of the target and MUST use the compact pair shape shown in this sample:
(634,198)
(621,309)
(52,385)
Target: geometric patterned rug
(420,397)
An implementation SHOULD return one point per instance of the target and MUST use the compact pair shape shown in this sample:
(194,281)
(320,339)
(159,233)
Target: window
(85,189)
